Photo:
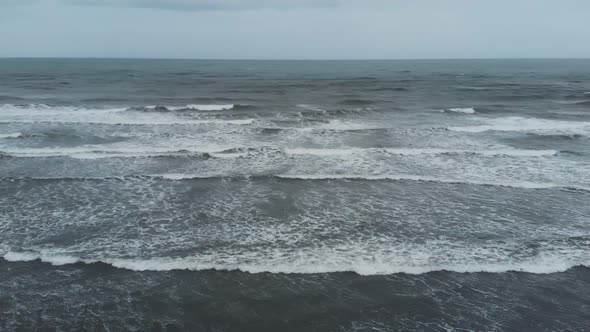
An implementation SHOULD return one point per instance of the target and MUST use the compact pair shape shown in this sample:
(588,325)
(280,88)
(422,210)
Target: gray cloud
(196,5)
(17,2)
(295,29)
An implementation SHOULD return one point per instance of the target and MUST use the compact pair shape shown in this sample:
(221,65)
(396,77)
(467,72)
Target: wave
(17,109)
(357,102)
(544,263)
(190,107)
(121,121)
(515,123)
(420,178)
(12,135)
(468,110)
(100,152)
(380,89)
(10,98)
(516,184)
(97,152)
(556,136)
(41,113)
(47,109)
(311,107)
(423,151)
(337,125)
(473,88)
(313,110)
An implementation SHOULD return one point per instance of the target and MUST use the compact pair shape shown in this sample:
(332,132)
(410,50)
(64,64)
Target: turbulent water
(294,196)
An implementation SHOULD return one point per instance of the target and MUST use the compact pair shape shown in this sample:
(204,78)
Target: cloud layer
(295,29)
(195,5)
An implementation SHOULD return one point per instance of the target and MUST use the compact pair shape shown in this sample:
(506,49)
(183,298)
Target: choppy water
(303,196)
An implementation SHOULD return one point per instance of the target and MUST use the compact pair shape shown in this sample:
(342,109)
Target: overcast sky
(295,29)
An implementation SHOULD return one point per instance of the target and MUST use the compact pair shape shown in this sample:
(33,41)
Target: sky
(295,29)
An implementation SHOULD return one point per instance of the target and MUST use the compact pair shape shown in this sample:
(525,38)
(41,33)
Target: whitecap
(421,151)
(100,152)
(420,178)
(11,135)
(204,107)
(467,110)
(407,258)
(40,113)
(515,123)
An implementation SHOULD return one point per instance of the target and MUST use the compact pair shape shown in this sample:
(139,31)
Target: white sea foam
(46,110)
(114,116)
(421,151)
(180,176)
(330,260)
(106,151)
(44,256)
(420,178)
(12,256)
(385,177)
(132,121)
(467,110)
(100,152)
(515,123)
(347,125)
(323,152)
(196,107)
(311,107)
(11,135)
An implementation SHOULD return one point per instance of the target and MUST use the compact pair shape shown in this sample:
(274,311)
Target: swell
(531,265)
(515,184)
(96,153)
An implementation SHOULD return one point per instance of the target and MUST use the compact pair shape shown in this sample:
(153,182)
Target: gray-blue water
(166,195)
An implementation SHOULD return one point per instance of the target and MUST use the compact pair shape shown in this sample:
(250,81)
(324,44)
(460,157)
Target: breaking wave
(517,184)
(190,107)
(425,151)
(12,135)
(515,123)
(98,152)
(383,261)
(469,110)
(41,113)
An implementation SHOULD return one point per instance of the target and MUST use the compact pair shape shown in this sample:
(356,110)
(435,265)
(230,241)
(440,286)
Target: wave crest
(515,123)
(11,135)
(467,110)
(543,263)
(189,107)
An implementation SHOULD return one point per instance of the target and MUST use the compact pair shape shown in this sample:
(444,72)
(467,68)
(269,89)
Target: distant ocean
(184,195)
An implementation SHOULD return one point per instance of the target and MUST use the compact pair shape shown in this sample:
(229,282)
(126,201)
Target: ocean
(194,195)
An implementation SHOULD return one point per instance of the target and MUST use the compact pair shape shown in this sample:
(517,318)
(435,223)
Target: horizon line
(289,59)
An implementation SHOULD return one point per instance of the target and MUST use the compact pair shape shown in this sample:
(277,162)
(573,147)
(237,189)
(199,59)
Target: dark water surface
(172,195)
